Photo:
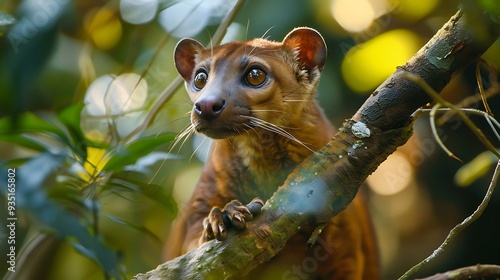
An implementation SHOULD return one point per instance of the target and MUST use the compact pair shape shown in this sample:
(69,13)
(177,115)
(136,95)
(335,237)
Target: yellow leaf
(96,160)
(475,169)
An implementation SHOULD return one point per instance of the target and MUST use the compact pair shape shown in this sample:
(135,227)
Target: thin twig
(479,134)
(483,95)
(479,271)
(458,228)
(468,101)
(432,120)
(481,90)
(493,128)
(470,111)
(492,122)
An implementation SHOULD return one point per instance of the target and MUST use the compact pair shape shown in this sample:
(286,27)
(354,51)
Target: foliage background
(57,49)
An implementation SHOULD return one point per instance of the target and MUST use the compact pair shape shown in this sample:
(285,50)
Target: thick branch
(457,44)
(326,182)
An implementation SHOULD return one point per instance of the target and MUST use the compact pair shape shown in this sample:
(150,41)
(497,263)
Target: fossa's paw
(234,215)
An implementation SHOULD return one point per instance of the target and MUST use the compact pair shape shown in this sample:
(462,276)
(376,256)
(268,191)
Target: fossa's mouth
(221,128)
(241,125)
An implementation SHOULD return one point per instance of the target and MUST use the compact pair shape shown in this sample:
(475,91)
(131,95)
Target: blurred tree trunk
(326,182)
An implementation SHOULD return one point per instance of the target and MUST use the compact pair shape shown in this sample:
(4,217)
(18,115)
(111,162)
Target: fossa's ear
(184,56)
(310,47)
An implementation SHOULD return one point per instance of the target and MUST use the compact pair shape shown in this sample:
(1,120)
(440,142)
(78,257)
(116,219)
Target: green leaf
(16,162)
(144,164)
(67,194)
(75,139)
(475,169)
(32,198)
(124,184)
(6,20)
(70,117)
(23,141)
(129,154)
(135,227)
(27,56)
(155,192)
(27,122)
(64,127)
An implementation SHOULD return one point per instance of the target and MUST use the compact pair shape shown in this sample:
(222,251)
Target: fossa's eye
(200,80)
(255,77)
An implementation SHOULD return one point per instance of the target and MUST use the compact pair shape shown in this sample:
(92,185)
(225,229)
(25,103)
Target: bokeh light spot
(392,176)
(367,65)
(353,15)
(413,10)
(104,27)
(138,11)
(108,95)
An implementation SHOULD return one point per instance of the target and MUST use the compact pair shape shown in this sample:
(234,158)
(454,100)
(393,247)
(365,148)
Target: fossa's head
(258,84)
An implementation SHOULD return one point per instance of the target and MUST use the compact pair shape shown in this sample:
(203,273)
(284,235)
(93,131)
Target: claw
(234,214)
(238,221)
(237,218)
(222,234)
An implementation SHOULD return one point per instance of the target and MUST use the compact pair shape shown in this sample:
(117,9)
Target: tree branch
(480,271)
(326,182)
(458,228)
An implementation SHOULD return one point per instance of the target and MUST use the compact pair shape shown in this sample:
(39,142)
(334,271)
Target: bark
(326,182)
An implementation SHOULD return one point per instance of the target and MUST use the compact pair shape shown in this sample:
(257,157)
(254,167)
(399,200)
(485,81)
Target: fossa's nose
(209,107)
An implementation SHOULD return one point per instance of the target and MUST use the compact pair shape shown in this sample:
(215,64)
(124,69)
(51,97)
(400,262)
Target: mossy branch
(326,182)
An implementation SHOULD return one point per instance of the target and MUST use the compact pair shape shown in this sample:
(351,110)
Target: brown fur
(250,161)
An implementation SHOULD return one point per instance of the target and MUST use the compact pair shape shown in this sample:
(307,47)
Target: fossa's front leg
(234,215)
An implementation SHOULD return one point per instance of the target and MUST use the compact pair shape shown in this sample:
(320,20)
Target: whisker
(185,134)
(266,110)
(262,53)
(294,91)
(182,137)
(276,111)
(264,36)
(251,51)
(232,144)
(246,32)
(298,100)
(201,144)
(188,101)
(250,127)
(207,155)
(275,129)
